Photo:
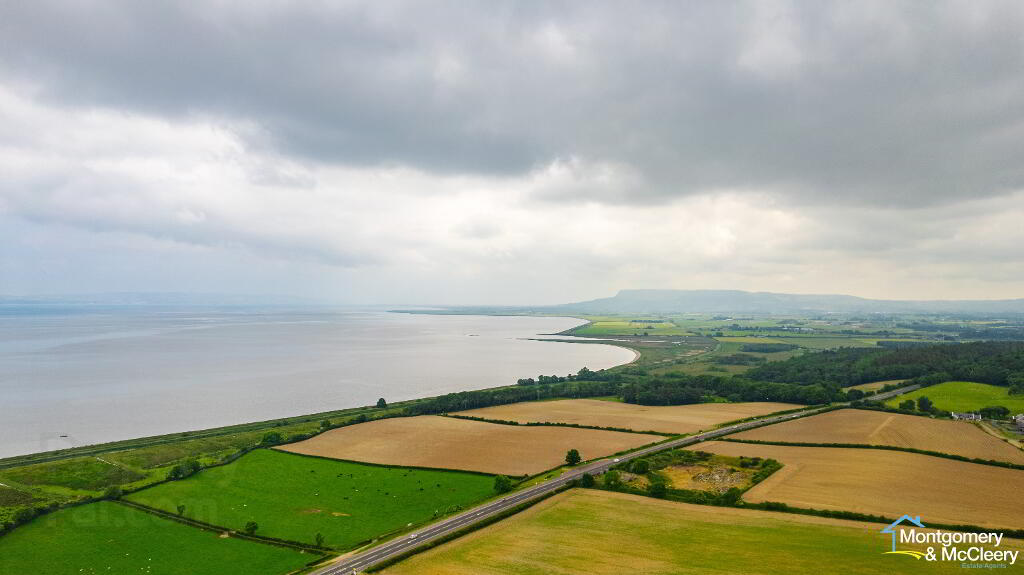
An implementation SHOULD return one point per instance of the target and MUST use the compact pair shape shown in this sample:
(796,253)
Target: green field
(82,473)
(11,497)
(965,396)
(294,497)
(602,533)
(108,538)
(601,326)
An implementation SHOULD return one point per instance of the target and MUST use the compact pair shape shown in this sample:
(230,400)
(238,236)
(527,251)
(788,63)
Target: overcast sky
(512,152)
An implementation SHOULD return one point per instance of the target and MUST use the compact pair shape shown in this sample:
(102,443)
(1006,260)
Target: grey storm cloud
(871,103)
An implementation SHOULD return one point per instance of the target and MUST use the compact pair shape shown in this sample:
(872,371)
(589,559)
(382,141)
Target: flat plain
(450,443)
(880,428)
(665,419)
(294,497)
(606,533)
(965,396)
(108,538)
(886,483)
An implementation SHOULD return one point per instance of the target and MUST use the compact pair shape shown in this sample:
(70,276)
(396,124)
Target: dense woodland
(996,363)
(812,378)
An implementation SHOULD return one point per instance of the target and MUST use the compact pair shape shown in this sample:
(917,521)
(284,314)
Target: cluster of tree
(583,375)
(994,412)
(738,359)
(23,515)
(994,362)
(678,389)
(503,484)
(808,379)
(998,363)
(897,344)
(998,331)
(183,470)
(487,397)
(836,368)
(923,404)
(767,347)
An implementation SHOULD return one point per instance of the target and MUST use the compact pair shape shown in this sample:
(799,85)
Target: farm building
(966,416)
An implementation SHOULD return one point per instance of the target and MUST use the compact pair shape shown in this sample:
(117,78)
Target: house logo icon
(892,530)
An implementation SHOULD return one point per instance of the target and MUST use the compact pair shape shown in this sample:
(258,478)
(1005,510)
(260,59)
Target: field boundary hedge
(992,462)
(822,406)
(832,514)
(855,516)
(231,532)
(389,465)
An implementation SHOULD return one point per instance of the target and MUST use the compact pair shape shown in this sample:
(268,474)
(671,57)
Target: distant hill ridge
(731,301)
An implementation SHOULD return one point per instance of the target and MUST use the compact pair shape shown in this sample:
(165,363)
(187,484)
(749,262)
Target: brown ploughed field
(886,483)
(898,430)
(664,419)
(449,443)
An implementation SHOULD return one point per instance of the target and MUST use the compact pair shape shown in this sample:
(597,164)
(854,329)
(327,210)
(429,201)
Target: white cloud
(378,153)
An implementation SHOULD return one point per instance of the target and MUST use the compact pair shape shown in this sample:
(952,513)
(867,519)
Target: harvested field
(664,419)
(876,385)
(886,483)
(879,428)
(606,533)
(449,443)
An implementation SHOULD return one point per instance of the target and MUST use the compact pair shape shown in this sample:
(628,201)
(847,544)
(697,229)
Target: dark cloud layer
(889,103)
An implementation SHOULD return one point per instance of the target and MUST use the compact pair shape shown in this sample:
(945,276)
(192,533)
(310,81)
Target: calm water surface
(103,376)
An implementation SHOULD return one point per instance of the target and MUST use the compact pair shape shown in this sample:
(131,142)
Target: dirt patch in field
(880,428)
(664,419)
(886,483)
(714,478)
(876,385)
(634,480)
(449,443)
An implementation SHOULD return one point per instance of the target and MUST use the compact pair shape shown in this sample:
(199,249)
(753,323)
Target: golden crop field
(880,428)
(607,533)
(887,483)
(875,385)
(664,419)
(450,443)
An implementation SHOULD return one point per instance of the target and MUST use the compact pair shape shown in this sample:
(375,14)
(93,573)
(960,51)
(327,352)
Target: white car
(616,460)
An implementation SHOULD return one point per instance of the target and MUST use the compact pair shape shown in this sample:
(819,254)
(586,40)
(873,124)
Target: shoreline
(144,441)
